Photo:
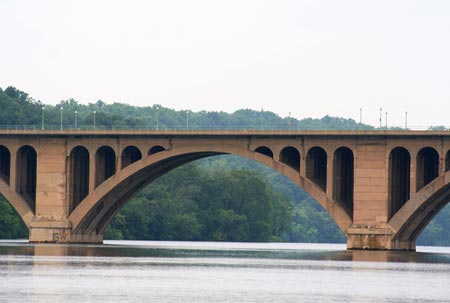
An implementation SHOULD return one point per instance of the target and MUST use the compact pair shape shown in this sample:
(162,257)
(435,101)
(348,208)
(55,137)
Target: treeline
(224,198)
(18,108)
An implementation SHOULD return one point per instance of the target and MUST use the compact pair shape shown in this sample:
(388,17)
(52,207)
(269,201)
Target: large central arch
(418,211)
(94,213)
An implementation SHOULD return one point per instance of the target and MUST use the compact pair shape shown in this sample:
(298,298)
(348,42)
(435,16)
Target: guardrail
(115,128)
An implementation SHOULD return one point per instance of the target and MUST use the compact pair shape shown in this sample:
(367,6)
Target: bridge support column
(373,238)
(59,232)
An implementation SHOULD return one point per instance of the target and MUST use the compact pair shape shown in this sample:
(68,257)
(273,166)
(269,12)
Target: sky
(309,58)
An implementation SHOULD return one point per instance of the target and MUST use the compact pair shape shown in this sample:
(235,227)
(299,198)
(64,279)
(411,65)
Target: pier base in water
(60,232)
(370,238)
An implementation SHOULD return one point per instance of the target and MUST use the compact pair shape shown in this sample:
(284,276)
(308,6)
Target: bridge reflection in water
(381,187)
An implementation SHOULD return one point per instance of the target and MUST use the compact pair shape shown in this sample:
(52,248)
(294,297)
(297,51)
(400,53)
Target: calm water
(125,271)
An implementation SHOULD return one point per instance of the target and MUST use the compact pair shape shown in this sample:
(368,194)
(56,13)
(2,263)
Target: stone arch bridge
(381,187)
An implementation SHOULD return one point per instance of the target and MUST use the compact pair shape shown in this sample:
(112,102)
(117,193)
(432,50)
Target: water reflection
(283,251)
(218,272)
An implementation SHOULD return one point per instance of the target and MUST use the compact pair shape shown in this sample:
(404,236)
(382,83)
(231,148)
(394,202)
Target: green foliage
(11,226)
(437,232)
(19,109)
(189,203)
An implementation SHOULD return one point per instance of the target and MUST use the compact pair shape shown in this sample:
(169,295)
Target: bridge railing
(125,128)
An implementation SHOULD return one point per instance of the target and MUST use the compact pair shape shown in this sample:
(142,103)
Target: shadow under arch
(420,209)
(95,212)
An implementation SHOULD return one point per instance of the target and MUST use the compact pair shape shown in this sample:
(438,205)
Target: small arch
(105,164)
(343,178)
(26,174)
(399,179)
(5,163)
(155,149)
(427,166)
(316,166)
(265,151)
(447,161)
(291,156)
(79,175)
(130,155)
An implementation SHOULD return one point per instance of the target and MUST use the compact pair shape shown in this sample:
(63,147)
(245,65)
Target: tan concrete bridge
(382,188)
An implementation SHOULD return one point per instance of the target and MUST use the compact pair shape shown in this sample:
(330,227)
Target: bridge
(381,187)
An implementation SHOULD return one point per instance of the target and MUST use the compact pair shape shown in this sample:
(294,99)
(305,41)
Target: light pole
(94,118)
(289,121)
(42,118)
(381,114)
(262,119)
(76,119)
(187,120)
(61,124)
(360,115)
(157,117)
(386,121)
(406,120)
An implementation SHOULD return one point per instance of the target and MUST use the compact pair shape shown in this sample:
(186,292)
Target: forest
(222,198)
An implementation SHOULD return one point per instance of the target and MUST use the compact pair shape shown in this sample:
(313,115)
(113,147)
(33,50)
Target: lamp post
(406,120)
(386,121)
(61,124)
(76,119)
(187,119)
(94,118)
(262,119)
(381,114)
(42,118)
(289,121)
(157,117)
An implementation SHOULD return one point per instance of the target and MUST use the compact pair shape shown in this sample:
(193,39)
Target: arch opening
(5,163)
(26,175)
(399,179)
(343,178)
(427,166)
(291,156)
(316,167)
(156,149)
(79,175)
(130,155)
(95,213)
(303,229)
(447,161)
(264,150)
(105,164)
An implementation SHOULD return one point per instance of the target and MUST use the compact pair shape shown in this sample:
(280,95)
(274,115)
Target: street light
(94,118)
(61,125)
(76,119)
(381,114)
(262,119)
(157,117)
(406,120)
(42,118)
(289,121)
(187,120)
(386,121)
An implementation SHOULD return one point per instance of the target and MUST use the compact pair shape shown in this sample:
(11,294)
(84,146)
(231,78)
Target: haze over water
(140,271)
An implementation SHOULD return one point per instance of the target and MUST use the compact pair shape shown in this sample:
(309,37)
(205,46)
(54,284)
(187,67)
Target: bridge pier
(373,238)
(59,232)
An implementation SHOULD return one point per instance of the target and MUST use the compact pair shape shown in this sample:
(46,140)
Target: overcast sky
(310,58)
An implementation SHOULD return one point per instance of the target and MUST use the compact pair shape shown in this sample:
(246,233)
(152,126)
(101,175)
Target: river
(148,271)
